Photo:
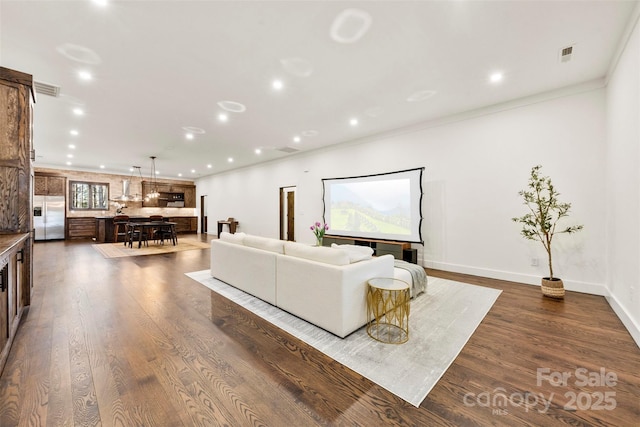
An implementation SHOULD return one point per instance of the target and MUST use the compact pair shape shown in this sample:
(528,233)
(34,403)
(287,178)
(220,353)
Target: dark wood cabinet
(16,104)
(13,284)
(49,185)
(185,224)
(16,214)
(171,195)
(81,228)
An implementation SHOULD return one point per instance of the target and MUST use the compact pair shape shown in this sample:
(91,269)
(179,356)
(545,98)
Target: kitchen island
(104,229)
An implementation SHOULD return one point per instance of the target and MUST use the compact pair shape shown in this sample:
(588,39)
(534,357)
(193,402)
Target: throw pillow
(356,253)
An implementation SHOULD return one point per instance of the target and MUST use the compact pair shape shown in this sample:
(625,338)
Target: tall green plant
(545,210)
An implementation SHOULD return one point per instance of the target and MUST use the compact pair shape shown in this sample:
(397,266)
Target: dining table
(147,226)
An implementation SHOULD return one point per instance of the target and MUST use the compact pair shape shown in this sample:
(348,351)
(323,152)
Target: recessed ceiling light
(179,174)
(296,139)
(223,117)
(74,132)
(79,53)
(209,166)
(353,122)
(85,75)
(102,3)
(230,160)
(350,25)
(193,171)
(78,111)
(258,151)
(72,146)
(189,136)
(68,163)
(193,130)
(101,166)
(496,77)
(277,84)
(232,106)
(70,156)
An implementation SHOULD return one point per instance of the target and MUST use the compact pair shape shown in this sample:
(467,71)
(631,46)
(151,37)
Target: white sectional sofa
(324,286)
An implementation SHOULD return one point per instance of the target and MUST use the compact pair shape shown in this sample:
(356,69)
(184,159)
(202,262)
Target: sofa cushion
(237,238)
(316,253)
(356,253)
(265,243)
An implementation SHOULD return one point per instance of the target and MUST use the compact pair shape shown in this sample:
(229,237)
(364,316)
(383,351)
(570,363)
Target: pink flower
(317,224)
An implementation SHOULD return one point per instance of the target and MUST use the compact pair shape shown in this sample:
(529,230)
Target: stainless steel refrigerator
(48,217)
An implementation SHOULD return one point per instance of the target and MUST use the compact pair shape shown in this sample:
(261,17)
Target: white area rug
(441,322)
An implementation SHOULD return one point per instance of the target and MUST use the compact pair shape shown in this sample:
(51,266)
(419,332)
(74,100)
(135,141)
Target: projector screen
(385,206)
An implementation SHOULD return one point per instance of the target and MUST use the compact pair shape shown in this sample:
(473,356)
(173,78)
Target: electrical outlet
(534,262)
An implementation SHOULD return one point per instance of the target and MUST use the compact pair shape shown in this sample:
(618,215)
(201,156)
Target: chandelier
(153,194)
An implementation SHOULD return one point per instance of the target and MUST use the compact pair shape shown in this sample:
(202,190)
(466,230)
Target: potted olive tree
(545,210)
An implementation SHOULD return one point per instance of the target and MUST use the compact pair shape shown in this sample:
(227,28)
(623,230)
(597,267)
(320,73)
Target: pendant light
(136,197)
(153,194)
(126,187)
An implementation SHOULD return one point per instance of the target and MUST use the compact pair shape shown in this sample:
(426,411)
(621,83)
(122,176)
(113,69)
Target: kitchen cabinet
(171,195)
(14,277)
(49,185)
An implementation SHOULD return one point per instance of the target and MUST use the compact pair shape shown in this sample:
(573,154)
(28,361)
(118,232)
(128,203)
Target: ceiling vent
(47,89)
(287,149)
(566,53)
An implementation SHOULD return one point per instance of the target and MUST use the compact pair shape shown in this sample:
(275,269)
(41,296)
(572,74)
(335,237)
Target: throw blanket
(418,276)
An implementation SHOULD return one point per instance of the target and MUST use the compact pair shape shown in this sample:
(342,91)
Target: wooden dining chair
(120,227)
(156,232)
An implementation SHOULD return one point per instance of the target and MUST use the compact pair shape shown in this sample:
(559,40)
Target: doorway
(287,213)
(203,214)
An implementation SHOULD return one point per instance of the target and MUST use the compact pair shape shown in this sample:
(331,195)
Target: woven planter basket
(552,288)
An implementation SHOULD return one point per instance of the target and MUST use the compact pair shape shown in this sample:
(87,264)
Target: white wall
(623,186)
(475,165)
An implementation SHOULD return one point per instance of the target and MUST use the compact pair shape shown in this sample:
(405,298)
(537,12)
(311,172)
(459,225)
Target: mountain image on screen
(371,207)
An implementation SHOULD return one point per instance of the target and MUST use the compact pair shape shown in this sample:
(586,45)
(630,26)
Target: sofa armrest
(249,269)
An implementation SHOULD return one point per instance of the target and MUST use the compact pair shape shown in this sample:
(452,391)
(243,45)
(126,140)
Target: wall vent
(47,89)
(287,149)
(566,53)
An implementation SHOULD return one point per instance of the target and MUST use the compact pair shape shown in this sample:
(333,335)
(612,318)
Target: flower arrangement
(119,207)
(318,230)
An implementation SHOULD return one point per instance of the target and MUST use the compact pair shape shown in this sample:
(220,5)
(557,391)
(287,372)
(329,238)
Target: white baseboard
(625,318)
(570,285)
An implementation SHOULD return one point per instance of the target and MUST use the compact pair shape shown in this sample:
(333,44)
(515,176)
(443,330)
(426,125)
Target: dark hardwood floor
(135,342)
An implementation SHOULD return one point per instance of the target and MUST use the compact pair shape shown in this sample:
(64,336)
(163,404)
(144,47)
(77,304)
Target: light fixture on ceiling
(350,25)
(126,187)
(496,77)
(153,194)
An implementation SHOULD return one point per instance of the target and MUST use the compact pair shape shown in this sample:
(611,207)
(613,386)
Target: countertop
(9,241)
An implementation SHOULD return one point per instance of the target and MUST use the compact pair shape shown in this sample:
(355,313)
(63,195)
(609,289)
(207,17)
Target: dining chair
(120,227)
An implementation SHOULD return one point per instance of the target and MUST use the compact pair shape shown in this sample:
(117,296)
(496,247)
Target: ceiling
(160,70)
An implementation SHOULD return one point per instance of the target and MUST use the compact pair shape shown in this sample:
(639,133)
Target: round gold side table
(388,306)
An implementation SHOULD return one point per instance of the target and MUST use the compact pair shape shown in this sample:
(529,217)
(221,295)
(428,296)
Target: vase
(552,288)
(318,241)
